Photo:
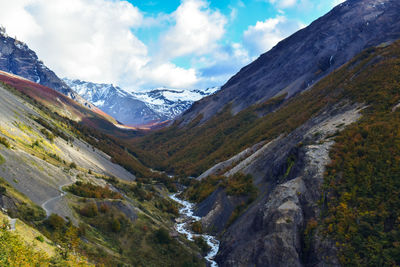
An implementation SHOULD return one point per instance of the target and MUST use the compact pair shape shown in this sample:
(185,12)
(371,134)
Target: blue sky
(141,45)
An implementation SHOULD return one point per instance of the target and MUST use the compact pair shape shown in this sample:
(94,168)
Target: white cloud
(265,34)
(283,3)
(91,40)
(96,40)
(337,2)
(196,31)
(167,74)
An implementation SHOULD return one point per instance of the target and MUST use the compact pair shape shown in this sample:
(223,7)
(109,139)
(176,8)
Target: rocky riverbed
(183,227)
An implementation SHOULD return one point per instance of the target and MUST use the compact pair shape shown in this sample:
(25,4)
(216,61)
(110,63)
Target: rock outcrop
(17,58)
(289,173)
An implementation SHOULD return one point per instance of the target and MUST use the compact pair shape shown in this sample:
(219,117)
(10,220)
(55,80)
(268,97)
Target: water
(183,227)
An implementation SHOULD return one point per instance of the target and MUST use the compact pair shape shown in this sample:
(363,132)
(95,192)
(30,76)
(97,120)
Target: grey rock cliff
(17,58)
(270,232)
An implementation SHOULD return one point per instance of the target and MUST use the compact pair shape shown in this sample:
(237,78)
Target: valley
(294,161)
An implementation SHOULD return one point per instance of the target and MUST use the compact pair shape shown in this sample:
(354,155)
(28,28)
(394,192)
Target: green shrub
(89,210)
(4,142)
(72,165)
(15,252)
(48,135)
(240,185)
(55,222)
(115,225)
(197,227)
(40,238)
(199,191)
(162,236)
(89,190)
(202,244)
(35,144)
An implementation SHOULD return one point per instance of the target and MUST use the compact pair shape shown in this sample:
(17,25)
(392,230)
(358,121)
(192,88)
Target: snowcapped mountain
(172,102)
(157,105)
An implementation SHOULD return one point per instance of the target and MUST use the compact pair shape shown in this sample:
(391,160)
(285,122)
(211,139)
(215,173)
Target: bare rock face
(310,54)
(271,231)
(17,58)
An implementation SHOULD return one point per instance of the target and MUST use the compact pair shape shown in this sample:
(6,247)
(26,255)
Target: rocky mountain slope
(312,183)
(77,186)
(17,58)
(114,101)
(298,62)
(157,105)
(294,177)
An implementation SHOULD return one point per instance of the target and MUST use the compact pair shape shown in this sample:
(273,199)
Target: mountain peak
(138,108)
(298,62)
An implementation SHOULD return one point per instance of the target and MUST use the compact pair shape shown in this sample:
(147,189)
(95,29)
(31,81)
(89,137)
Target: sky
(140,45)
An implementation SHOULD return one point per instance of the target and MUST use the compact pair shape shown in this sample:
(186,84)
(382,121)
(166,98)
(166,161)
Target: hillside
(348,122)
(294,162)
(60,174)
(301,60)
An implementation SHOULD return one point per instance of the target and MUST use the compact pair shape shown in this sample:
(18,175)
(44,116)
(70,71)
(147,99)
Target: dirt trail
(46,205)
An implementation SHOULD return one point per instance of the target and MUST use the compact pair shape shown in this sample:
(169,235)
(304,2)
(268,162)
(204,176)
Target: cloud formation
(93,40)
(97,40)
(265,34)
(196,31)
(283,3)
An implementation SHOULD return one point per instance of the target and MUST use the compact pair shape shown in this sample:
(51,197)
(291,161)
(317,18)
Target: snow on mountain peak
(134,108)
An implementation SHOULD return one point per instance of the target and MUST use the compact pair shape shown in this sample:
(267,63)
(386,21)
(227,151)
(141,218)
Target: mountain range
(281,151)
(154,106)
(143,108)
(293,162)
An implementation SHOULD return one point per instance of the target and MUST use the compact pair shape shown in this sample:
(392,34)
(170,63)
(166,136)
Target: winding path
(57,198)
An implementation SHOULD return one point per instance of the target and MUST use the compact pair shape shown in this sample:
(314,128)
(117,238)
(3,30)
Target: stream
(183,227)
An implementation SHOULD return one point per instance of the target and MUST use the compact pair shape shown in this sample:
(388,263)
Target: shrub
(202,244)
(115,225)
(15,252)
(36,143)
(89,210)
(162,236)
(240,185)
(40,238)
(197,227)
(55,156)
(104,208)
(55,222)
(93,191)
(48,134)
(4,142)
(201,190)
(72,165)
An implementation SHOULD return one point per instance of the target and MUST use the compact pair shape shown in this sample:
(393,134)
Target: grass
(27,210)
(29,234)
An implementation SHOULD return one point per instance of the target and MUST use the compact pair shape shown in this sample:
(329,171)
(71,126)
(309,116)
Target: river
(183,226)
